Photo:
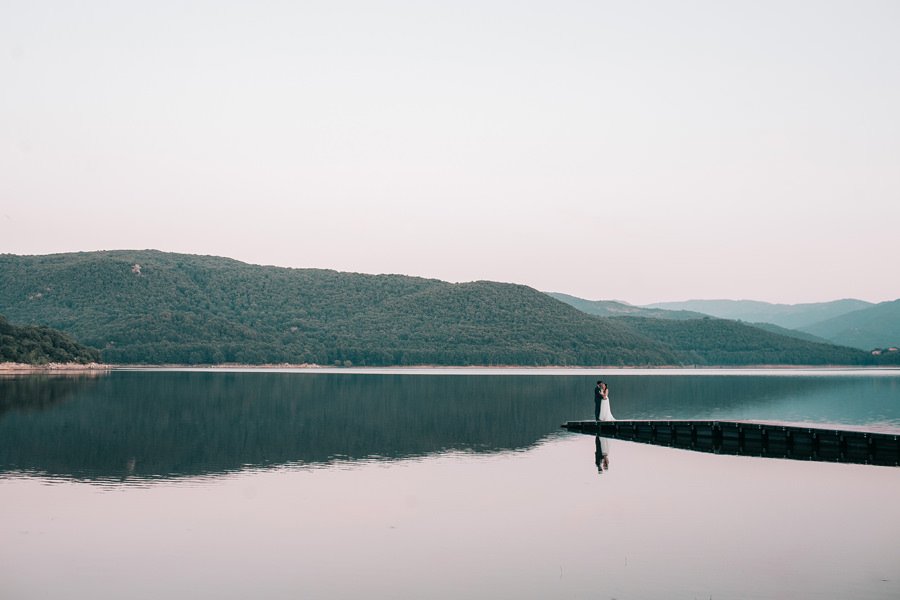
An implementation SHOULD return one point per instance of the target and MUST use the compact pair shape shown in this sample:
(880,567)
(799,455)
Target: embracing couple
(601,403)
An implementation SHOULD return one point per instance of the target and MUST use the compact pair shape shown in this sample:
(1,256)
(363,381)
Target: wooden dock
(752,438)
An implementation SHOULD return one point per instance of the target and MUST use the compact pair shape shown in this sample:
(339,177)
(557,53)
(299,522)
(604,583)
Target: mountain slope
(155,307)
(611,308)
(875,327)
(723,342)
(794,333)
(791,316)
(474,317)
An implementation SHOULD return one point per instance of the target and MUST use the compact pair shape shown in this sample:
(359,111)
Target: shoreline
(9,367)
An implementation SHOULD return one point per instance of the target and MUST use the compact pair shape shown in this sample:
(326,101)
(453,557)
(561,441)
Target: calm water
(336,485)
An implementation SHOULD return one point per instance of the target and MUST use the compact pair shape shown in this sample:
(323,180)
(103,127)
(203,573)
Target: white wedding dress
(605,413)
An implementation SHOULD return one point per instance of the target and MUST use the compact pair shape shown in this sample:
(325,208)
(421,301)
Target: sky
(644,151)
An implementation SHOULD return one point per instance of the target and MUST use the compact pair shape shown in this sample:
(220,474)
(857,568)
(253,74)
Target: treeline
(156,308)
(41,345)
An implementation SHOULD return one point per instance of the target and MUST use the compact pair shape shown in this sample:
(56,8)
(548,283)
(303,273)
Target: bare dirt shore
(12,367)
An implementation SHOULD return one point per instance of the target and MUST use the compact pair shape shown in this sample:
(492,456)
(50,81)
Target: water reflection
(41,391)
(601,454)
(158,425)
(151,425)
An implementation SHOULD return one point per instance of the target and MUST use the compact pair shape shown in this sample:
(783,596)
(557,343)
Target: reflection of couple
(601,454)
(601,403)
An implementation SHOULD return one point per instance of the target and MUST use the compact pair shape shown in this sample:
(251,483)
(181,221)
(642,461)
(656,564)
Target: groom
(598,398)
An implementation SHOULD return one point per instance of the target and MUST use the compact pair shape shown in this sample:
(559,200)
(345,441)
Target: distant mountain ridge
(158,308)
(847,322)
(612,308)
(876,326)
(790,316)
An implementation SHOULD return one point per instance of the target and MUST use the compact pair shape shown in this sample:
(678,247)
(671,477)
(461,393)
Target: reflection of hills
(194,423)
(41,391)
(156,424)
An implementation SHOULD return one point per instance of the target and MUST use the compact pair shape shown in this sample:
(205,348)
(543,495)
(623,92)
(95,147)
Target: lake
(433,484)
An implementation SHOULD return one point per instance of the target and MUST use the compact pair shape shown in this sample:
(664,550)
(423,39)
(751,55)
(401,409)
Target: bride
(605,413)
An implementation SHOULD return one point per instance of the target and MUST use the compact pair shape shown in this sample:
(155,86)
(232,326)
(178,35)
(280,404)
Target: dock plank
(754,438)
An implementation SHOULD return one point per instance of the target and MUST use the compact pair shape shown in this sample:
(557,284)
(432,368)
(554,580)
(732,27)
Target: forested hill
(155,307)
(41,345)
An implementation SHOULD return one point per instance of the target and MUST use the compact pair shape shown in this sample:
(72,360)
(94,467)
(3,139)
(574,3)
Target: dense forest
(152,307)
(41,345)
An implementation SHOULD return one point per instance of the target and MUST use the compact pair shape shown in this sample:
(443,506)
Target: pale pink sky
(644,151)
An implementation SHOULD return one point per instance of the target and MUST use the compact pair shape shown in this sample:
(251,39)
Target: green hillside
(41,345)
(791,316)
(156,308)
(722,342)
(611,308)
(795,333)
(875,327)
